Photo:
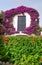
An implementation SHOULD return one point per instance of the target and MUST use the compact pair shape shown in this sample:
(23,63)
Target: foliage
(21,50)
(1,17)
(41,28)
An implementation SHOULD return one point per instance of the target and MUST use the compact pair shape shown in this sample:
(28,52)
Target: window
(21,23)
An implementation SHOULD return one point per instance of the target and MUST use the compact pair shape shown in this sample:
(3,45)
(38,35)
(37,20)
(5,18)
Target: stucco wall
(15,20)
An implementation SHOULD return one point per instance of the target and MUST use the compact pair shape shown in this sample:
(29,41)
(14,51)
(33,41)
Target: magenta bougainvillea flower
(8,17)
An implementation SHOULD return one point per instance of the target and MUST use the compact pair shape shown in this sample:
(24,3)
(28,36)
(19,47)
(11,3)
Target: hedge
(21,50)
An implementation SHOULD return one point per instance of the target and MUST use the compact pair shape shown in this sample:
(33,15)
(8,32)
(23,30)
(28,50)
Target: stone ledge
(5,63)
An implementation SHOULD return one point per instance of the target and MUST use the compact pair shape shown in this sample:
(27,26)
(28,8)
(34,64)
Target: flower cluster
(21,9)
(8,17)
(4,39)
(33,39)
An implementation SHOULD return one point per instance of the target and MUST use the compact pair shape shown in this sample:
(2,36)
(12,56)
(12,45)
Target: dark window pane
(21,23)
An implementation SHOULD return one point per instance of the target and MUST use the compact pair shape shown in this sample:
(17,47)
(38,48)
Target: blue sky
(9,4)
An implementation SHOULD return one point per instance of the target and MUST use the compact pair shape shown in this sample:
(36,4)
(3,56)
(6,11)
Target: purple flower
(10,13)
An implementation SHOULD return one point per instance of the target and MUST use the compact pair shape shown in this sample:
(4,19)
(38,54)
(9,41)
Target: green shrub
(21,50)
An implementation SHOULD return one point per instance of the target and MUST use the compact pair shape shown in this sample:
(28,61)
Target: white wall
(15,20)
(41,32)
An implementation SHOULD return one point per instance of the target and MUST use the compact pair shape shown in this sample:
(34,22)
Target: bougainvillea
(9,14)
